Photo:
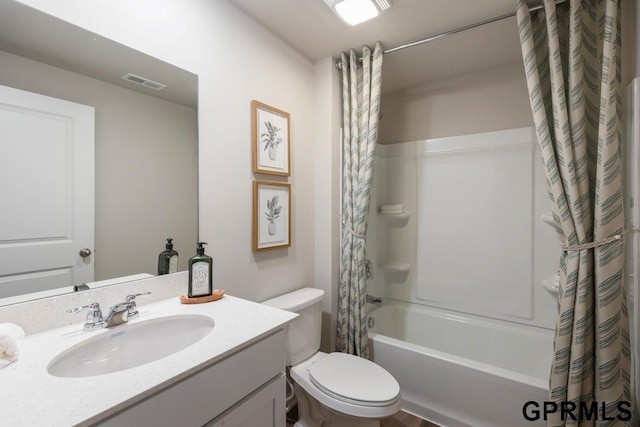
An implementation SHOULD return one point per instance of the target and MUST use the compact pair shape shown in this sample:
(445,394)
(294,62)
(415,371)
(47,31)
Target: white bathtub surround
(631,154)
(474,220)
(579,135)
(361,85)
(461,371)
(463,252)
(552,284)
(32,397)
(469,328)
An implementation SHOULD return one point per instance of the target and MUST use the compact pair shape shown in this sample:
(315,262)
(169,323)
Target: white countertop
(30,396)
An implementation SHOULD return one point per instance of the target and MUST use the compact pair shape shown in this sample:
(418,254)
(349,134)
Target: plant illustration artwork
(272,214)
(271,140)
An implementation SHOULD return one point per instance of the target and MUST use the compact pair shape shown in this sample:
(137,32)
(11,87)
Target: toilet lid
(355,380)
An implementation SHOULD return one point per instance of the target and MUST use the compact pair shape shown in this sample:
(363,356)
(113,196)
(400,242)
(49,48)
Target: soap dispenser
(168,259)
(200,273)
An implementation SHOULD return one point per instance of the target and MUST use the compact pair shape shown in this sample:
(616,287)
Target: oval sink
(131,345)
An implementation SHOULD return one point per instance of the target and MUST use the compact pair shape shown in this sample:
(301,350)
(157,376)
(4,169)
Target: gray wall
(146,166)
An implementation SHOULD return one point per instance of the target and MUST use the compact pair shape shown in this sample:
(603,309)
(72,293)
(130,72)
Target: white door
(46,192)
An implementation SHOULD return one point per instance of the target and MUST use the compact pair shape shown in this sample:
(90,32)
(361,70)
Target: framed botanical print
(271,140)
(271,215)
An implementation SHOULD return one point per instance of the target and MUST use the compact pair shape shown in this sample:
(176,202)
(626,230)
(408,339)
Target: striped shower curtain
(361,109)
(571,55)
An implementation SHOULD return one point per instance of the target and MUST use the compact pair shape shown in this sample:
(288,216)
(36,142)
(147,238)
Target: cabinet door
(213,391)
(264,407)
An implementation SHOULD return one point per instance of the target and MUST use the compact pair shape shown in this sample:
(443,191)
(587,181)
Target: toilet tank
(303,332)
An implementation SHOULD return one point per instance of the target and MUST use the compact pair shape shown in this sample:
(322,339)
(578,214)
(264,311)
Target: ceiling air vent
(143,81)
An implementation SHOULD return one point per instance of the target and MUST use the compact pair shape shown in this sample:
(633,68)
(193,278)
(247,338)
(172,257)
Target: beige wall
(630,45)
(493,99)
(145,165)
(328,116)
(237,60)
(490,100)
(630,41)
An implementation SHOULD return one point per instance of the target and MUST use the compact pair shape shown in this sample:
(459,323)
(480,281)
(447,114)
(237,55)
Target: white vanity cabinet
(263,408)
(246,388)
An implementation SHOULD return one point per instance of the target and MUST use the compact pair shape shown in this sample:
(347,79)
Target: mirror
(146,140)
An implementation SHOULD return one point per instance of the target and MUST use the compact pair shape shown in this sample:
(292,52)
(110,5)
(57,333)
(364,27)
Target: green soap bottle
(200,273)
(168,259)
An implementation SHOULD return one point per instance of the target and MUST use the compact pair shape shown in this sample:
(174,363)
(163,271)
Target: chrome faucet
(118,314)
(94,316)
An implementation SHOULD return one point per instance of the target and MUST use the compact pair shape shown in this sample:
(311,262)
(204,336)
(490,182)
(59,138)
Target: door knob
(85,252)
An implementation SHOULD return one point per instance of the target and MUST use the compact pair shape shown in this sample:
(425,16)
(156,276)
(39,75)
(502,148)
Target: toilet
(335,389)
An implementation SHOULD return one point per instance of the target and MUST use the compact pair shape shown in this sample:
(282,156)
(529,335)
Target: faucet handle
(94,315)
(133,308)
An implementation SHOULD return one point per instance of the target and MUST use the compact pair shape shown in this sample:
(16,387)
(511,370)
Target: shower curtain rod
(449,33)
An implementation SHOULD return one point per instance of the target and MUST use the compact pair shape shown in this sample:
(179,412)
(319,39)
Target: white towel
(11,338)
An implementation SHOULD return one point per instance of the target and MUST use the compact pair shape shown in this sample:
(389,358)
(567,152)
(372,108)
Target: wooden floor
(401,419)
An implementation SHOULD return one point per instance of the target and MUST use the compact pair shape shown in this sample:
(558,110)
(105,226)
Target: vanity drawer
(201,397)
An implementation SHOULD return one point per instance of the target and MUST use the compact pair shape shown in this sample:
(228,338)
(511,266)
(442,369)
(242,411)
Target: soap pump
(168,259)
(200,273)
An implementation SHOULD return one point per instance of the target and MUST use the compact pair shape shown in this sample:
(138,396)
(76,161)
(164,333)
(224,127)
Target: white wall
(489,100)
(145,166)
(237,60)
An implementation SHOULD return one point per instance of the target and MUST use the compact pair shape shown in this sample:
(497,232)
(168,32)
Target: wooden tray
(216,295)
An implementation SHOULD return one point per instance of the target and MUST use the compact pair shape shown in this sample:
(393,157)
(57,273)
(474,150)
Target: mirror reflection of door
(46,158)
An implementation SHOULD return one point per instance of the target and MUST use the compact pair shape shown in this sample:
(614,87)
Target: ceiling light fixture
(354,12)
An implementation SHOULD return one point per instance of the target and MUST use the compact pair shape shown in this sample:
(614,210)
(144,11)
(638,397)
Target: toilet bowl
(332,389)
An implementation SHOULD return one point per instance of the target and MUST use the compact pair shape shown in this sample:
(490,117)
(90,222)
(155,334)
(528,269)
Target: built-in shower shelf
(552,285)
(395,215)
(398,219)
(396,267)
(547,218)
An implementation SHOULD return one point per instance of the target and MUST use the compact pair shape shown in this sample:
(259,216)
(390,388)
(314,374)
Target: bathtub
(459,371)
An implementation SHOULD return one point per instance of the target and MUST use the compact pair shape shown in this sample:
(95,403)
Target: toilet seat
(341,399)
(355,380)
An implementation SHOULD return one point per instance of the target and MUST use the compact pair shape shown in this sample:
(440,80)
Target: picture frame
(271,215)
(271,135)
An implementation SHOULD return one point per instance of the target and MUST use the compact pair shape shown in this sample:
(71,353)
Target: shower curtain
(361,109)
(571,54)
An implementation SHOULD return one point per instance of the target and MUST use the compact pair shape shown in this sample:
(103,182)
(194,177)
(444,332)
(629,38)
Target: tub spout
(374,300)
